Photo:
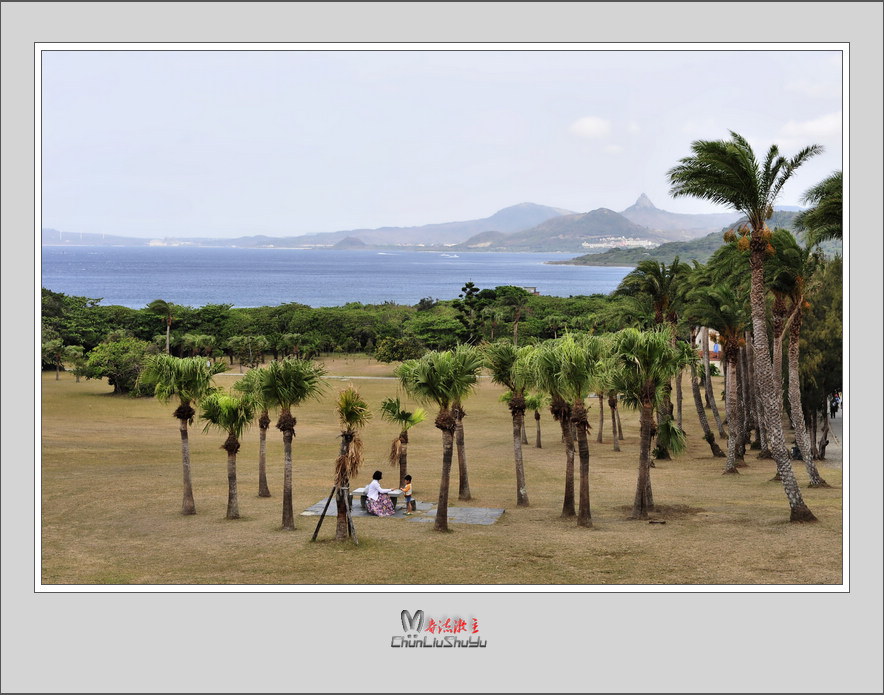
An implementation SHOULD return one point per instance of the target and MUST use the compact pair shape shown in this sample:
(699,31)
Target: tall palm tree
(436,378)
(285,384)
(726,172)
(645,361)
(353,414)
(825,219)
(792,273)
(720,307)
(250,384)
(164,309)
(545,365)
(507,365)
(231,414)
(189,380)
(393,411)
(691,358)
(468,362)
(580,375)
(666,286)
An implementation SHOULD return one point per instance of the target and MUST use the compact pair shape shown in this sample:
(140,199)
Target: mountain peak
(644,202)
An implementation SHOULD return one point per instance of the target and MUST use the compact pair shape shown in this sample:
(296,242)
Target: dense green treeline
(213,330)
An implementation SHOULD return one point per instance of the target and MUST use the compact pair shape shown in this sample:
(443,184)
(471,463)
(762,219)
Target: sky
(228,143)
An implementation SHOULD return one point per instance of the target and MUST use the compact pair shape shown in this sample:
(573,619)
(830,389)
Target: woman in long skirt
(378,502)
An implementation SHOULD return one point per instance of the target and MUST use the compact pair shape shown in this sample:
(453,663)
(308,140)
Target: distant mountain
(676,226)
(600,228)
(512,219)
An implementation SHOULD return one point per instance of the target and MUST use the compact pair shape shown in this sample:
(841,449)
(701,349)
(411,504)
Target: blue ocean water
(196,276)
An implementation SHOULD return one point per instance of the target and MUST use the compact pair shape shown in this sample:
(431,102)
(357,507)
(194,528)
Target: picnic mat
(426,511)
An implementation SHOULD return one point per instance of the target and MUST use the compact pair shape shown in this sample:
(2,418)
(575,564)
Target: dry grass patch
(111,494)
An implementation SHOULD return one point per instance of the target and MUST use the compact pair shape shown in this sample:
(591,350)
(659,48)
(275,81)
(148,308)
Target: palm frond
(353,412)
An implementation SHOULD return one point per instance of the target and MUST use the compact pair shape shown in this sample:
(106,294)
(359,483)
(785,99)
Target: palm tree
(720,307)
(250,384)
(665,286)
(826,218)
(285,384)
(393,411)
(726,172)
(353,414)
(535,401)
(189,380)
(75,354)
(231,414)
(164,309)
(516,299)
(545,365)
(468,362)
(507,365)
(791,274)
(436,378)
(690,357)
(645,361)
(580,375)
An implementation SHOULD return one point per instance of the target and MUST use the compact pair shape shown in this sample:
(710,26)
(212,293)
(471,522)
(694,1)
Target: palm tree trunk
(441,523)
(263,425)
(288,517)
(188,506)
(463,492)
(771,407)
(518,419)
(619,424)
(797,412)
(537,444)
(168,330)
(743,437)
(561,413)
(733,420)
(643,503)
(584,515)
(612,404)
(701,414)
(232,445)
(342,527)
(678,399)
(403,457)
(710,395)
(601,398)
(524,432)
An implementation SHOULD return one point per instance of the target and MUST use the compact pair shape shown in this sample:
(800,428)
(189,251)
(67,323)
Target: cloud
(815,89)
(591,127)
(633,127)
(613,149)
(822,127)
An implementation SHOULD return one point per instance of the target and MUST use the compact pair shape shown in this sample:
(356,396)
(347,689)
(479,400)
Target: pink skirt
(382,506)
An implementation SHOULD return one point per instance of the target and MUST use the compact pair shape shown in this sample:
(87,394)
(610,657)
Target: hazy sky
(229,143)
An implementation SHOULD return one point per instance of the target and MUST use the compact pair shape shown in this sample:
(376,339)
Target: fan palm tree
(468,362)
(726,172)
(825,219)
(644,362)
(580,375)
(250,384)
(507,365)
(535,401)
(393,411)
(164,309)
(230,414)
(545,365)
(436,378)
(189,380)
(353,414)
(665,286)
(284,384)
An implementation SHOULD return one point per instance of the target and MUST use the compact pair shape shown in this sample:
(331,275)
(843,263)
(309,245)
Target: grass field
(111,488)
